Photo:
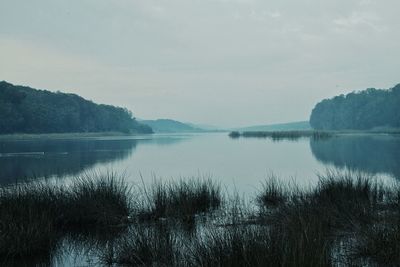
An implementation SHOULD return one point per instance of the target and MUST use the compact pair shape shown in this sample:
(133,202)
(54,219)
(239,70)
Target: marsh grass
(343,205)
(287,227)
(380,243)
(273,193)
(296,240)
(234,134)
(144,245)
(304,236)
(181,198)
(35,216)
(283,135)
(98,201)
(28,218)
(233,246)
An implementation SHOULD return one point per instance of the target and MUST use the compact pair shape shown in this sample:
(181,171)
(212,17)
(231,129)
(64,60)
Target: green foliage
(26,110)
(368,109)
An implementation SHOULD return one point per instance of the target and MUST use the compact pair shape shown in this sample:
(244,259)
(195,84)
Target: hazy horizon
(228,63)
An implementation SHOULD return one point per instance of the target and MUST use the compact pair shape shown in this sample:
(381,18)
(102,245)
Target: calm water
(237,163)
(241,163)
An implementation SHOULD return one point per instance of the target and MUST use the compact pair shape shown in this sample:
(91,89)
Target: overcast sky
(220,62)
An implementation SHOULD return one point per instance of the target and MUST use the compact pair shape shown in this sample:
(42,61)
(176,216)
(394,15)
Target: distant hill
(365,110)
(170,126)
(27,110)
(291,126)
(206,127)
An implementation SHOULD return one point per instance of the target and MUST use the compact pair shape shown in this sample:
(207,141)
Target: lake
(236,163)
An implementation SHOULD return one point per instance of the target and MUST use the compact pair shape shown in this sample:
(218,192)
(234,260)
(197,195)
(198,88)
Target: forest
(365,110)
(28,110)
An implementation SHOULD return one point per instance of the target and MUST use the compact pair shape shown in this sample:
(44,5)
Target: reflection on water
(21,160)
(240,162)
(371,154)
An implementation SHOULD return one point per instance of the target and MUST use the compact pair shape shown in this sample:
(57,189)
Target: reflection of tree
(61,157)
(65,157)
(372,154)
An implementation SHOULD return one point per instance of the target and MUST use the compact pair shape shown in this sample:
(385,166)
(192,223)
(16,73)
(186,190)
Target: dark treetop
(27,110)
(365,110)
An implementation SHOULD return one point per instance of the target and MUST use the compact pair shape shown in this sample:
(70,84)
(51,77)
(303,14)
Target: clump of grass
(35,239)
(273,193)
(284,135)
(34,216)
(143,246)
(98,201)
(181,198)
(296,240)
(234,134)
(233,246)
(381,243)
(348,198)
(303,233)
(28,214)
(309,222)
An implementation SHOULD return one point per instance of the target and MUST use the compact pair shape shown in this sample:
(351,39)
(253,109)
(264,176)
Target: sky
(227,63)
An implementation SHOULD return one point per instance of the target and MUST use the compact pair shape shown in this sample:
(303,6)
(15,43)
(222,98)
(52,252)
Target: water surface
(241,163)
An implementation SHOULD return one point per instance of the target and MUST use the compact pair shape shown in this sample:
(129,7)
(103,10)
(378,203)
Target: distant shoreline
(26,136)
(309,133)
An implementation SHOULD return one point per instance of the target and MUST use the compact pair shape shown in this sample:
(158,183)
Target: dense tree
(27,110)
(368,109)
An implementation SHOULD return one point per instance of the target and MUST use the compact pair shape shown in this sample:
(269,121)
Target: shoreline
(310,133)
(23,136)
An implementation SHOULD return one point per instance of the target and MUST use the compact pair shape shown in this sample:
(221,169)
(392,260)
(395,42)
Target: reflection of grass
(278,135)
(345,218)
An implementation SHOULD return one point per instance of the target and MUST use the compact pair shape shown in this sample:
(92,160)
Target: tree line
(28,110)
(364,110)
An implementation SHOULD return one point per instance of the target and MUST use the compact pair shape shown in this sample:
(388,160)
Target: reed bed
(287,227)
(35,216)
(282,135)
(180,199)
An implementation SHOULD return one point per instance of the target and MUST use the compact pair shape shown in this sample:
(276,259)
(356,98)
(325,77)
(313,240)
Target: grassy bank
(346,219)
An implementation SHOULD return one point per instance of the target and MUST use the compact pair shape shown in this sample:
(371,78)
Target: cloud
(173,58)
(359,19)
